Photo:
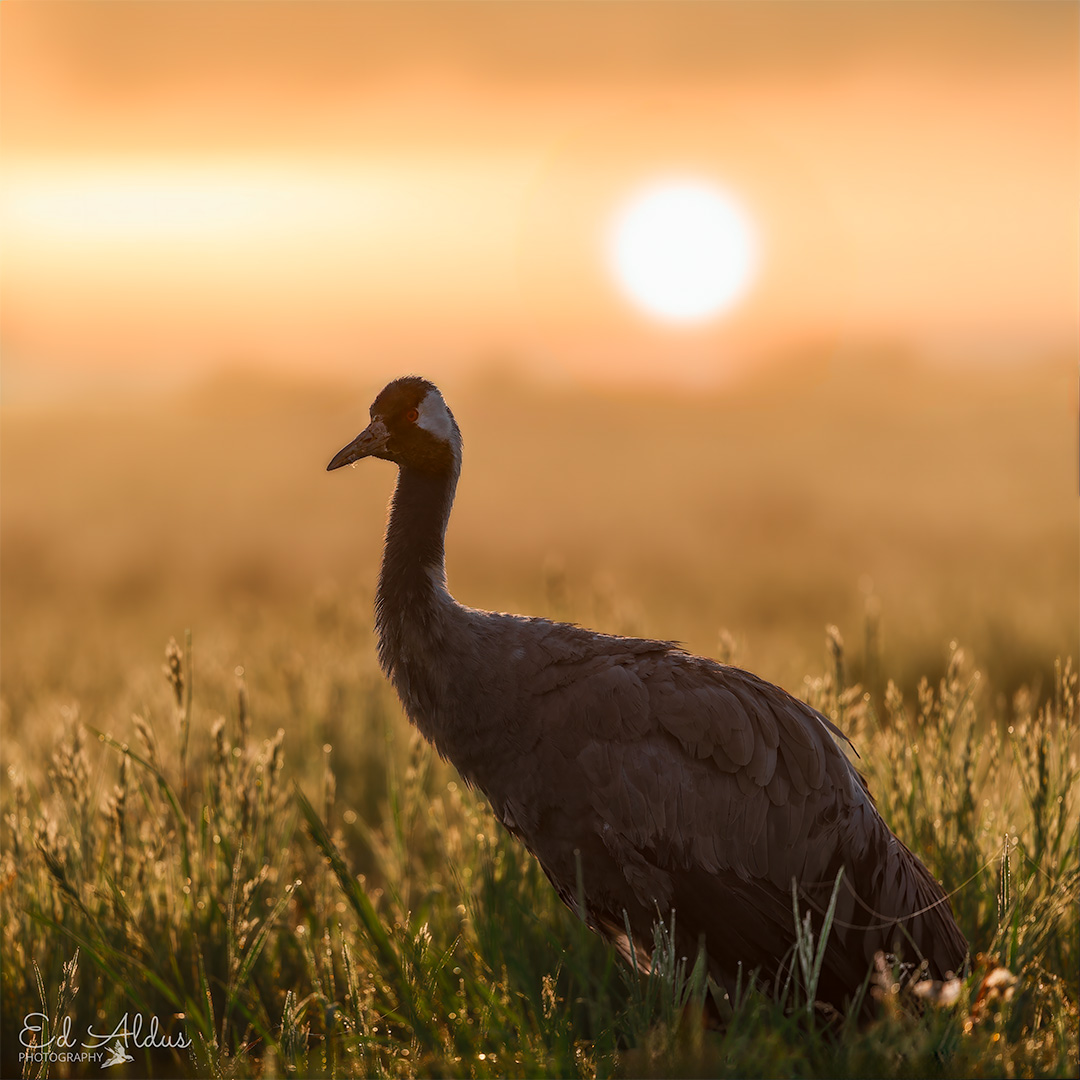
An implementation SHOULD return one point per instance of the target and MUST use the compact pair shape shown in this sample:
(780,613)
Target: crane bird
(644,779)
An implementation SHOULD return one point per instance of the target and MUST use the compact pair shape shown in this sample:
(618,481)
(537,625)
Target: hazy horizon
(342,188)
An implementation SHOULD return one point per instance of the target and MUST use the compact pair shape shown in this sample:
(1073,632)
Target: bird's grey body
(654,779)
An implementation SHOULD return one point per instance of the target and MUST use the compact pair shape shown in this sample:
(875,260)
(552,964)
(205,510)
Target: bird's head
(411,426)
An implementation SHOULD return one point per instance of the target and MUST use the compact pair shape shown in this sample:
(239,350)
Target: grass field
(252,847)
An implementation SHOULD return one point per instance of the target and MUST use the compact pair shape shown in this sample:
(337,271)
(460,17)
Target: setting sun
(683,251)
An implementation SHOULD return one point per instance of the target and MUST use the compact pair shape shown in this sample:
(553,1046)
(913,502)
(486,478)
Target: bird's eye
(412,416)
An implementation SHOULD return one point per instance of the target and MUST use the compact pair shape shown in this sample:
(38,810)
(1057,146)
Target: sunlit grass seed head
(173,669)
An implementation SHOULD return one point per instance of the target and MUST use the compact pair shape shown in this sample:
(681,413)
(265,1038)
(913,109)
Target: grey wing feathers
(709,786)
(690,785)
(693,763)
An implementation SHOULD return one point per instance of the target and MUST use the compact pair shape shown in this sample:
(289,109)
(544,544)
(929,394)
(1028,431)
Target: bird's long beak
(370,441)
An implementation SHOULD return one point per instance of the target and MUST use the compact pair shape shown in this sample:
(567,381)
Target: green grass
(301,908)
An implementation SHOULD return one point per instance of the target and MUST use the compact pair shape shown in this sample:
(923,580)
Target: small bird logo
(118,1055)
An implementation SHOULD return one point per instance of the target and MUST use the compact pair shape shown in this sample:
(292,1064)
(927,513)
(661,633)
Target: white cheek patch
(434,416)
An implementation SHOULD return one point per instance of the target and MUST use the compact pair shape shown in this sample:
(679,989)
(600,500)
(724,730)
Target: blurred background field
(879,494)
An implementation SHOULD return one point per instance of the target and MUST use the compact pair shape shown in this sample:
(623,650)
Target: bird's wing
(706,767)
(679,783)
(714,791)
(688,762)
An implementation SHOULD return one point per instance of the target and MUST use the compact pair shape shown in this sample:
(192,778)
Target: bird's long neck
(415,536)
(412,604)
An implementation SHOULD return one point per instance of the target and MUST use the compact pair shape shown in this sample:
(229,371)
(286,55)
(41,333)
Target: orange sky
(369,185)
